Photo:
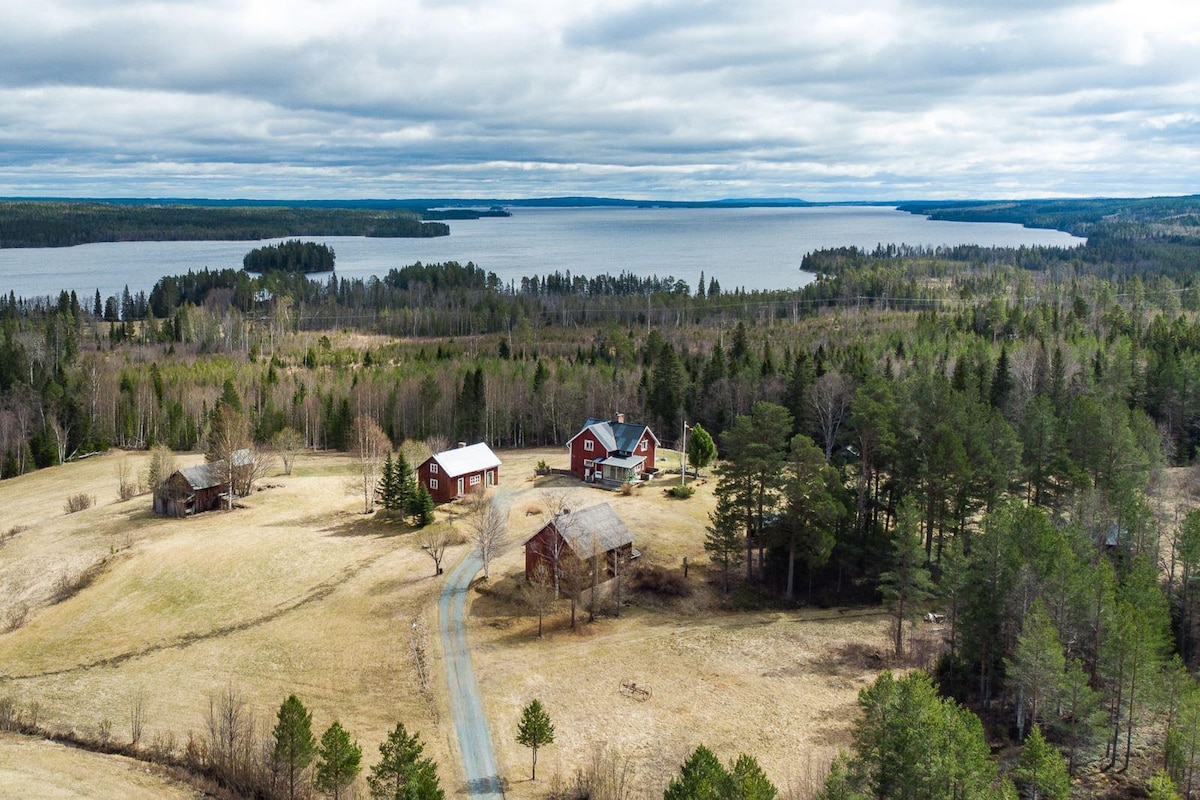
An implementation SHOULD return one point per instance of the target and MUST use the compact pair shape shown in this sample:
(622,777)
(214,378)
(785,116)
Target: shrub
(18,615)
(68,585)
(79,502)
(663,582)
(681,492)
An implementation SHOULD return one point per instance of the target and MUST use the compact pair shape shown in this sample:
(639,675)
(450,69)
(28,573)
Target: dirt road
(479,762)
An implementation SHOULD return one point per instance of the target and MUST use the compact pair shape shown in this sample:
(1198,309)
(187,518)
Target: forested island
(290,256)
(36,223)
(1005,438)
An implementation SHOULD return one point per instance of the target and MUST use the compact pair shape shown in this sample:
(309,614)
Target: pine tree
(402,774)
(1037,666)
(294,743)
(339,760)
(907,584)
(1040,772)
(535,730)
(747,781)
(701,777)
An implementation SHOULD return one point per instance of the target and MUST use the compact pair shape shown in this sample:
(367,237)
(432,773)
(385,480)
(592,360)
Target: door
(491,477)
(460,485)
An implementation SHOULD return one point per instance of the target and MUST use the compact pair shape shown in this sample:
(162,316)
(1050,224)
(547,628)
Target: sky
(695,100)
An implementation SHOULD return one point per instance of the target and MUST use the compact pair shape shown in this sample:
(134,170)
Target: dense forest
(290,256)
(41,223)
(985,431)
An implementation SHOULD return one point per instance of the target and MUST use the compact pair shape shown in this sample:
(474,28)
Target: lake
(754,248)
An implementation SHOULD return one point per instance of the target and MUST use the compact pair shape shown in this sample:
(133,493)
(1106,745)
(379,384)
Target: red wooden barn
(453,473)
(612,451)
(594,532)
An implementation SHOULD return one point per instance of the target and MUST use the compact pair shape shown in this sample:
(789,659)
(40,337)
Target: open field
(298,592)
(38,768)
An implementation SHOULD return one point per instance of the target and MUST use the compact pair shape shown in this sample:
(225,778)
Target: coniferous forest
(1005,436)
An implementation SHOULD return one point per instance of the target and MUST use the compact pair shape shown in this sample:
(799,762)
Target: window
(588,463)
(588,445)
(643,445)
(433,468)
(474,480)
(433,484)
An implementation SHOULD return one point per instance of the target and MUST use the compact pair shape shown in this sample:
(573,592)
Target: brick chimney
(620,417)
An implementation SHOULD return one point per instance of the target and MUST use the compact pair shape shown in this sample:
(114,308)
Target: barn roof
(214,473)
(464,460)
(578,528)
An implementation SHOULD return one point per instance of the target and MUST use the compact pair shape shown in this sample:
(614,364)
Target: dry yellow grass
(297,592)
(37,768)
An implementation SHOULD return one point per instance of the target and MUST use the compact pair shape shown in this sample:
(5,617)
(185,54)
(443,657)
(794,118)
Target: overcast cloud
(893,99)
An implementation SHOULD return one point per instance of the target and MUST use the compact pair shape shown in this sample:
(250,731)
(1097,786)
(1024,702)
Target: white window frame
(475,479)
(433,468)
(643,445)
(433,483)
(589,445)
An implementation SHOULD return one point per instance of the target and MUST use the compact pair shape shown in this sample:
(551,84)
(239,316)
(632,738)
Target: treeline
(290,256)
(34,223)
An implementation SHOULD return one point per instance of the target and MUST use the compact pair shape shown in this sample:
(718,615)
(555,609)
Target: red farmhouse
(453,473)
(613,451)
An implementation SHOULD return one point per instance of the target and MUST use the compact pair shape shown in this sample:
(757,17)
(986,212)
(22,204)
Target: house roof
(464,460)
(598,524)
(214,473)
(623,462)
(613,435)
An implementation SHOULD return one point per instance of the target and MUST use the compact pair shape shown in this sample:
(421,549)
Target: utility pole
(683,456)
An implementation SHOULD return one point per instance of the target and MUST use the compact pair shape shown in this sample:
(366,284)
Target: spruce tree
(701,777)
(387,485)
(420,507)
(406,484)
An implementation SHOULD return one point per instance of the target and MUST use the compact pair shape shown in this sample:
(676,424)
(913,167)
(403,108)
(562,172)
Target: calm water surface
(755,248)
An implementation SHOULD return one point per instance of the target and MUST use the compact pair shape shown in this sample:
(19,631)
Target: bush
(79,502)
(663,582)
(681,492)
(17,616)
(68,585)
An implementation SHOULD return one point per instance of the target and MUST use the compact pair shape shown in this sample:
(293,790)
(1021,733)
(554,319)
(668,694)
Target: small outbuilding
(204,487)
(580,536)
(453,473)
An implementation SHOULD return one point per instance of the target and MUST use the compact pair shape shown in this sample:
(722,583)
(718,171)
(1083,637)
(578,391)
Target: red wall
(448,487)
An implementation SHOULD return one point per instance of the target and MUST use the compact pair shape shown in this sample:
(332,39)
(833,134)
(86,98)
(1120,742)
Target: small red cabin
(453,473)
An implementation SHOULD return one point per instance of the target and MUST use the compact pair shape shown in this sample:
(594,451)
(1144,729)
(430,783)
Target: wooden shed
(194,490)
(580,536)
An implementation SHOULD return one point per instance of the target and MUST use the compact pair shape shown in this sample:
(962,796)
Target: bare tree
(487,525)
(558,504)
(434,540)
(228,434)
(61,433)
(830,397)
(288,442)
(160,467)
(127,485)
(231,745)
(137,716)
(371,447)
(539,592)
